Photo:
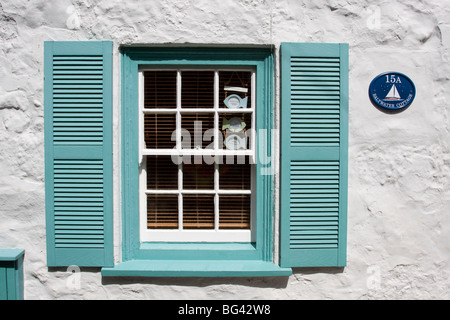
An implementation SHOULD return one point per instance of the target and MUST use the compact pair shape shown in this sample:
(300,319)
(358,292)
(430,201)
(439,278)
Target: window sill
(195,268)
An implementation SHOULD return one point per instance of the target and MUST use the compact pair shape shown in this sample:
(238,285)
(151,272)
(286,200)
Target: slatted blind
(197,89)
(162,211)
(234,211)
(197,124)
(78,145)
(314,154)
(198,211)
(160,89)
(158,130)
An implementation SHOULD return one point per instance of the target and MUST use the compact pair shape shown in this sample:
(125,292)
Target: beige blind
(162,211)
(196,124)
(234,211)
(158,129)
(198,211)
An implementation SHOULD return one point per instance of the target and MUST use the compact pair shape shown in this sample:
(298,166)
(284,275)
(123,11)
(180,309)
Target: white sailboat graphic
(393,94)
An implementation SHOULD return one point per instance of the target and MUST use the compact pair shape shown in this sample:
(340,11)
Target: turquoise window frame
(132,58)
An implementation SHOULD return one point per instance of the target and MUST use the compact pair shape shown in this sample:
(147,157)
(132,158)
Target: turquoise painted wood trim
(48,146)
(132,59)
(312,153)
(107,53)
(3,284)
(11,254)
(343,176)
(196,268)
(60,56)
(129,155)
(11,274)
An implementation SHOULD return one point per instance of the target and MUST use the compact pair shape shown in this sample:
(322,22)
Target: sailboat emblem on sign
(393,94)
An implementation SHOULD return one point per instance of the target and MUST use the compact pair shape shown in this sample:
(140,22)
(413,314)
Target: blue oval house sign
(392,91)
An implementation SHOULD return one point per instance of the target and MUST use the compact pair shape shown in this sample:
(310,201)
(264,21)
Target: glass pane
(160,89)
(235,173)
(197,89)
(197,130)
(198,211)
(235,128)
(162,211)
(234,211)
(158,130)
(233,83)
(198,176)
(162,173)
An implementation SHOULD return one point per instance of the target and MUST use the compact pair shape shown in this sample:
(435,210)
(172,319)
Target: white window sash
(191,235)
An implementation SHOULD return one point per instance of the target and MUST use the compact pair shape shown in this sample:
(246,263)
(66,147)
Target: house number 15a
(393,79)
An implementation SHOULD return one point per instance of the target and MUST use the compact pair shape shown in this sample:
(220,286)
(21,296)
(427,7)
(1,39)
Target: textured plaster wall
(399,165)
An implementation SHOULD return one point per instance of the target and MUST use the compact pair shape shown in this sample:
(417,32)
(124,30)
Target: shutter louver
(314,154)
(78,145)
(315,101)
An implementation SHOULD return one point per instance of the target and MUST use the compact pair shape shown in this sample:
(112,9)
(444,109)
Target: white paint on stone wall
(399,165)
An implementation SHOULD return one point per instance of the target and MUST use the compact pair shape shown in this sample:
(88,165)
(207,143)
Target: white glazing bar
(180,196)
(160,110)
(216,146)
(237,110)
(196,152)
(186,191)
(253,107)
(159,191)
(178,117)
(216,196)
(216,107)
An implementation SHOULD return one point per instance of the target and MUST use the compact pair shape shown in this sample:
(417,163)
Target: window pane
(162,173)
(162,211)
(198,211)
(235,173)
(234,211)
(198,176)
(158,130)
(235,128)
(234,79)
(197,89)
(160,89)
(195,126)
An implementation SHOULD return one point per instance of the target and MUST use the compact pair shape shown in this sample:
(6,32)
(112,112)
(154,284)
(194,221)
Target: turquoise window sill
(195,268)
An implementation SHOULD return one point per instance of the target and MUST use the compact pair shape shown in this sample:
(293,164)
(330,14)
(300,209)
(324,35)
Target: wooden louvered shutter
(314,143)
(78,153)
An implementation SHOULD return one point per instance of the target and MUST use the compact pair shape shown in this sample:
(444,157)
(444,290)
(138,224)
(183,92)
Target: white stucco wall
(399,165)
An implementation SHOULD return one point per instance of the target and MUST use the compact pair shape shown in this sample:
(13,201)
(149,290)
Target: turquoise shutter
(314,143)
(78,153)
